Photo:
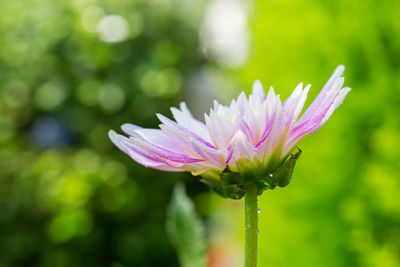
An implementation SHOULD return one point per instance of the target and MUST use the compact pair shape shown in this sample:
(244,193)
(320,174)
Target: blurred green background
(71,70)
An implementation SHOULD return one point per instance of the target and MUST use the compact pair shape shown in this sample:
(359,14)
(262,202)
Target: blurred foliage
(185,229)
(69,198)
(342,207)
(69,72)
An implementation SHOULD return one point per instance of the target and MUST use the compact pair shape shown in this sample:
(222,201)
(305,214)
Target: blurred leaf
(185,229)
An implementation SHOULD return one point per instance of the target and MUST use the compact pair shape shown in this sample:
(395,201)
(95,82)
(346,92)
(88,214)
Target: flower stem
(251,225)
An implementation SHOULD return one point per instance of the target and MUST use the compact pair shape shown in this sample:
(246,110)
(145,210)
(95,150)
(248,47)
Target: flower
(251,135)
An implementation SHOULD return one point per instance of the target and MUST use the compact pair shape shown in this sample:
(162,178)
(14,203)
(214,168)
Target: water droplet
(271,175)
(259,210)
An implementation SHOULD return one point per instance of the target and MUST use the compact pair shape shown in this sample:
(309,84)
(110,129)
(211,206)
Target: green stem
(251,230)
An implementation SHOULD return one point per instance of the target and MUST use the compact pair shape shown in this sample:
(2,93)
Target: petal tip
(111,133)
(258,90)
(339,70)
(129,128)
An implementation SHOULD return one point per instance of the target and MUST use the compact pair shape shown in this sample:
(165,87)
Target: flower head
(251,135)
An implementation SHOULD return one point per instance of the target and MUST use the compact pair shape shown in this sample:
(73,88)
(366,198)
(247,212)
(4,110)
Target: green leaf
(185,229)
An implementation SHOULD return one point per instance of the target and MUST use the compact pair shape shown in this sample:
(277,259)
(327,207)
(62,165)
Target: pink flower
(253,134)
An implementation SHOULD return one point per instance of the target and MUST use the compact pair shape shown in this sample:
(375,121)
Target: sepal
(283,174)
(230,184)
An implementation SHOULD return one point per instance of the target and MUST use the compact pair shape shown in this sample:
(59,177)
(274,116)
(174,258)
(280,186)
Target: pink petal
(169,157)
(241,147)
(209,154)
(130,129)
(304,126)
(160,139)
(294,104)
(242,103)
(140,156)
(318,100)
(185,119)
(182,129)
(245,129)
(220,130)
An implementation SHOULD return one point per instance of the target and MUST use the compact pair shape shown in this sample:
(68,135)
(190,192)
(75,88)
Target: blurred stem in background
(251,225)
(185,229)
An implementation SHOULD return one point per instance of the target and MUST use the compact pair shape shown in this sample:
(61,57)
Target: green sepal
(212,183)
(283,174)
(230,184)
(261,187)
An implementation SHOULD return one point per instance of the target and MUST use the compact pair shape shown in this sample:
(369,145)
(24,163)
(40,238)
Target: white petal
(184,118)
(220,129)
(129,128)
(258,91)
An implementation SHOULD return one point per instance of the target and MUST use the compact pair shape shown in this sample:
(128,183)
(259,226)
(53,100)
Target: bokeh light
(112,28)
(224,32)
